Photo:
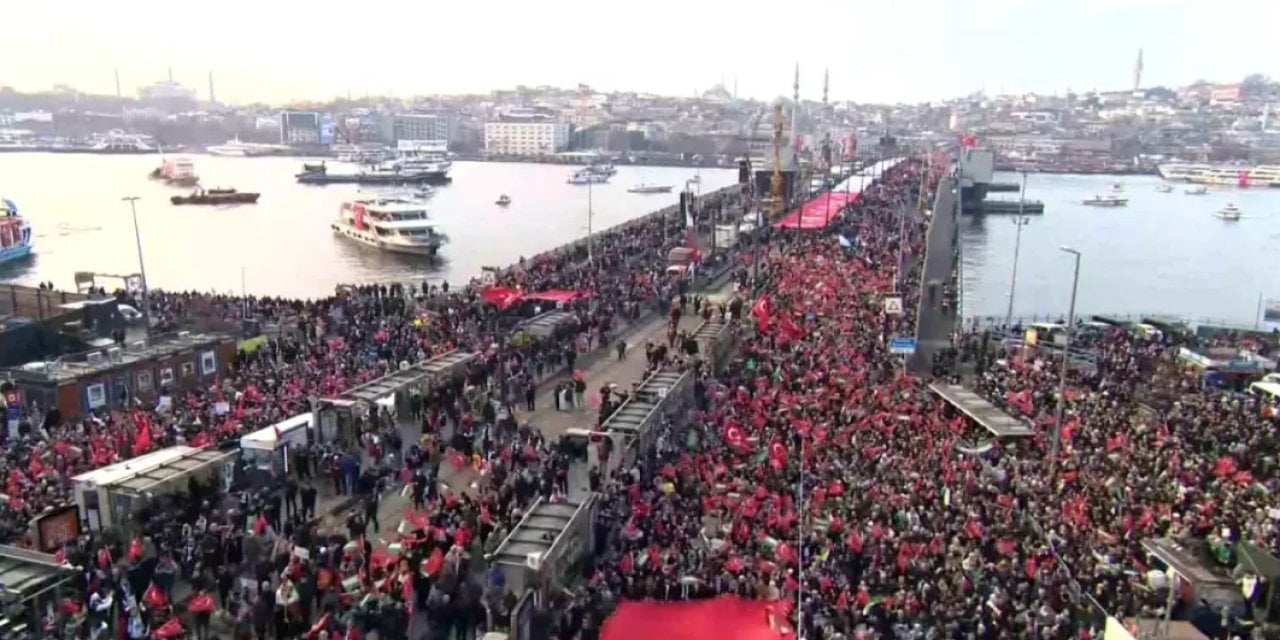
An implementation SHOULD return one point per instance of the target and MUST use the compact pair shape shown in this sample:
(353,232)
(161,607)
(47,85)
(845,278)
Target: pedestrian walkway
(601,367)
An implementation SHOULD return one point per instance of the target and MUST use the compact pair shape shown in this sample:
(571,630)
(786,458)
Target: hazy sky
(903,50)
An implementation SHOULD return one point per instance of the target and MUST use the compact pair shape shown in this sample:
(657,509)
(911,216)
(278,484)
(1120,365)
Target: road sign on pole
(893,306)
(902,346)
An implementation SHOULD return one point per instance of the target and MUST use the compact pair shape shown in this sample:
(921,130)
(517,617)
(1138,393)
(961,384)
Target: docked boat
(215,197)
(587,176)
(418,193)
(650,188)
(378,176)
(503,200)
(362,153)
(1230,213)
(1223,175)
(179,172)
(15,233)
(389,224)
(114,142)
(236,149)
(1164,188)
(1197,191)
(1108,200)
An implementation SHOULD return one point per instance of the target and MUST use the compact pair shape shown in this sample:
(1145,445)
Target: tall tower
(170,75)
(213,97)
(826,84)
(119,95)
(1137,71)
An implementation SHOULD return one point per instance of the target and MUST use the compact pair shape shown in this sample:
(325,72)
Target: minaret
(826,84)
(119,95)
(170,75)
(213,97)
(1137,71)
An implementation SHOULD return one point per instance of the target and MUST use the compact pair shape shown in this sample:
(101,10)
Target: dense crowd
(323,348)
(821,474)
(815,473)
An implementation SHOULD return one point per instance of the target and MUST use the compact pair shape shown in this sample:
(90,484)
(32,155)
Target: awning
(817,213)
(558,296)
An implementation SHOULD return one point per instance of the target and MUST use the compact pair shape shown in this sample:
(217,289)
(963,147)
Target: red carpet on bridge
(724,617)
(817,213)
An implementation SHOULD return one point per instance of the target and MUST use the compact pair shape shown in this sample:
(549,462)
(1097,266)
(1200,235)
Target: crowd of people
(816,473)
(324,347)
(824,479)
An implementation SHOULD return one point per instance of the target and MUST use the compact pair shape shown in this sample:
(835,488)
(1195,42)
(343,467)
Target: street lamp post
(1021,221)
(142,269)
(1066,359)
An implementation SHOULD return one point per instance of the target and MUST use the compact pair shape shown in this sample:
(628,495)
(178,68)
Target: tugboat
(215,196)
(1230,213)
(1197,191)
(1164,188)
(15,233)
(178,172)
(503,200)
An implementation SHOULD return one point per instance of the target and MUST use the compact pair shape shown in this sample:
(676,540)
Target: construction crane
(775,186)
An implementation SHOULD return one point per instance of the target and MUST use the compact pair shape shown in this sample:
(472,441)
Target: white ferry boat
(1222,175)
(1180,171)
(15,232)
(1230,213)
(390,224)
(587,176)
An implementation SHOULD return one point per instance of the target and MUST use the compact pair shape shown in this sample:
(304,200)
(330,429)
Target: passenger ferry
(15,232)
(587,176)
(390,224)
(1222,175)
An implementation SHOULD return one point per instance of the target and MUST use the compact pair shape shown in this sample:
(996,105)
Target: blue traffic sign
(902,346)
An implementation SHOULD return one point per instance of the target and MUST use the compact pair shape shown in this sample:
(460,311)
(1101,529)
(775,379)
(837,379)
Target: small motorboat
(503,200)
(1197,191)
(215,197)
(1108,200)
(313,168)
(1229,213)
(650,188)
(1164,188)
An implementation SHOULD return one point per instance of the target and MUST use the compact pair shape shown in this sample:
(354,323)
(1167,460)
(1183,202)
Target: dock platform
(1010,207)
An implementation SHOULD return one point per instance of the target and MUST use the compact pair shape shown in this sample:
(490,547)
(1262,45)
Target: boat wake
(63,229)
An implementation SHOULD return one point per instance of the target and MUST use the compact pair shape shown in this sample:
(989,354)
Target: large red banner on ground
(724,617)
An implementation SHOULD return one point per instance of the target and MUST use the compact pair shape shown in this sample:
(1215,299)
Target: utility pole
(142,269)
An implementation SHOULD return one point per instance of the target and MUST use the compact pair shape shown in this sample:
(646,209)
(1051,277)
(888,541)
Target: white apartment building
(525,138)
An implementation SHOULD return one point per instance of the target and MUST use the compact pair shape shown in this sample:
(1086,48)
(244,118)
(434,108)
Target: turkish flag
(501,297)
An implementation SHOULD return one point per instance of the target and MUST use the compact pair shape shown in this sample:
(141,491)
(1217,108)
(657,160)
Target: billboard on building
(328,129)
